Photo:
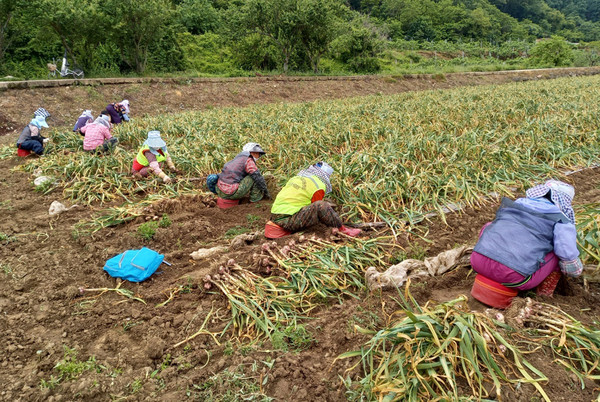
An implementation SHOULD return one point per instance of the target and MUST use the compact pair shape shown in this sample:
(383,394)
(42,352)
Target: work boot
(349,231)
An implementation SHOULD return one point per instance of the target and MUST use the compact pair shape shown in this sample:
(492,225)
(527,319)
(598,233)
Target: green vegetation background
(235,37)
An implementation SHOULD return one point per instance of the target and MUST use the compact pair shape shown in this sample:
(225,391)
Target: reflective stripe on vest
(296,194)
(142,160)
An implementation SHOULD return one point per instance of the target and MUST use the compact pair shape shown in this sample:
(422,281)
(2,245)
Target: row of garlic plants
(396,157)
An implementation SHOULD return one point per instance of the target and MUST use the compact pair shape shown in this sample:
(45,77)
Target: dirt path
(44,316)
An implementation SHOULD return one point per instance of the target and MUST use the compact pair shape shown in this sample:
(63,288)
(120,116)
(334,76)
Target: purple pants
(501,273)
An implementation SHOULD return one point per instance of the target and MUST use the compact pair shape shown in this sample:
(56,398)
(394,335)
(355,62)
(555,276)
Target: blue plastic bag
(134,265)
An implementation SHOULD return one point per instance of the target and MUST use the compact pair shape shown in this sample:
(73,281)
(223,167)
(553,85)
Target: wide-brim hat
(253,147)
(41,121)
(154,140)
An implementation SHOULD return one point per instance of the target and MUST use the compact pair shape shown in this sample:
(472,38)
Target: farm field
(295,327)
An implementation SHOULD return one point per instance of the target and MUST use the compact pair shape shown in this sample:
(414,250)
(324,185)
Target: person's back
(97,134)
(85,118)
(298,192)
(529,243)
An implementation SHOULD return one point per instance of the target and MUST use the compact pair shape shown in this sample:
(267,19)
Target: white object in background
(58,208)
(41,180)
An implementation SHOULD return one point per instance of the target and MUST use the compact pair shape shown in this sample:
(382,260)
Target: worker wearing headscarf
(528,245)
(300,204)
(151,156)
(85,118)
(118,112)
(97,135)
(241,177)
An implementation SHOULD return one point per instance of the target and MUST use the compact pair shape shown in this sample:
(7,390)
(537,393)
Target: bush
(205,54)
(255,52)
(553,52)
(586,58)
(165,222)
(359,47)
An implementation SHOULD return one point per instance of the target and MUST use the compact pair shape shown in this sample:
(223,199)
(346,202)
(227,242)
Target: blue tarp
(134,265)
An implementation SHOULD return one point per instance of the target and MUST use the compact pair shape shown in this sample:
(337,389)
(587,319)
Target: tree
(277,20)
(197,16)
(137,25)
(359,46)
(552,52)
(80,25)
(317,21)
(7,12)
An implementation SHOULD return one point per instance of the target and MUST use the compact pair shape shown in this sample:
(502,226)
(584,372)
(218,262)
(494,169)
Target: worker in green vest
(150,158)
(300,204)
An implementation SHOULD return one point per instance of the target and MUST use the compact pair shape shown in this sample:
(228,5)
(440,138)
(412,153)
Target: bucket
(492,293)
(23,153)
(274,231)
(224,204)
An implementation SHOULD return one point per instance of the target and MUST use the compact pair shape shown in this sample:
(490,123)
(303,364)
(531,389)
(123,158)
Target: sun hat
(322,170)
(561,194)
(125,103)
(556,185)
(154,140)
(328,170)
(39,121)
(103,119)
(42,112)
(253,147)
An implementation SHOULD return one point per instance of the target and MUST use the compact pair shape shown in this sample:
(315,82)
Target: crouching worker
(528,245)
(150,158)
(97,135)
(85,118)
(119,112)
(241,178)
(300,204)
(31,139)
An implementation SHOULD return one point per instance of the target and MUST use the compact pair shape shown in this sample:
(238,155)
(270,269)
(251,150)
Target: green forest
(247,37)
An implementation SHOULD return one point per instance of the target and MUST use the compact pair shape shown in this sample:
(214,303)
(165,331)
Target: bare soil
(42,309)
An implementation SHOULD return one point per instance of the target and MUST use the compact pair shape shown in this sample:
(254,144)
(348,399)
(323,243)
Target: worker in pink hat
(529,245)
(119,112)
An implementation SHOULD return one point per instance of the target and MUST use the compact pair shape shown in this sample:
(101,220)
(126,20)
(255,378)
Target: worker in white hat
(151,156)
(300,204)
(241,178)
